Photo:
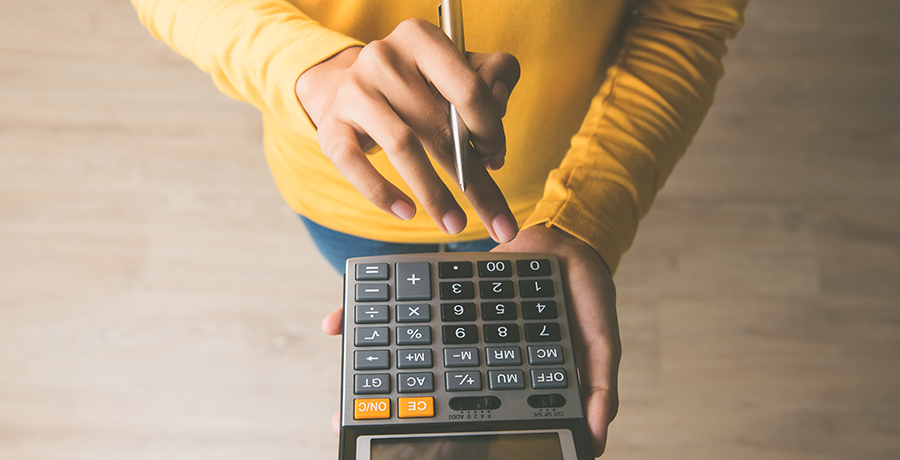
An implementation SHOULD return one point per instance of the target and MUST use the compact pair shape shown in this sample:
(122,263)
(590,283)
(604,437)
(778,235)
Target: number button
(494,268)
(455,269)
(497,289)
(500,333)
(463,380)
(542,332)
(533,267)
(493,311)
(460,334)
(536,288)
(458,312)
(458,290)
(545,309)
(413,335)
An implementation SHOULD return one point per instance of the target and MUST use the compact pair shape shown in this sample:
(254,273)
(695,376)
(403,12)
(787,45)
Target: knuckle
(378,192)
(414,26)
(401,140)
(374,53)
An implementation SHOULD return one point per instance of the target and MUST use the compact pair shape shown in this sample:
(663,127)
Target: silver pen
(450,17)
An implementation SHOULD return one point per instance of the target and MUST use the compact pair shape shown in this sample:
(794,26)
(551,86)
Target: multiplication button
(419,313)
(463,380)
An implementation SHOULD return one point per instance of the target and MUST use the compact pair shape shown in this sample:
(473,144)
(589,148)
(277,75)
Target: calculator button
(550,400)
(372,293)
(454,335)
(548,378)
(533,267)
(366,314)
(501,333)
(458,311)
(371,272)
(415,407)
(371,384)
(463,380)
(371,336)
(542,332)
(506,380)
(365,360)
(458,290)
(494,268)
(454,269)
(419,313)
(503,356)
(536,288)
(546,354)
(414,358)
(543,309)
(367,409)
(475,403)
(496,289)
(413,281)
(413,335)
(417,382)
(492,311)
(460,357)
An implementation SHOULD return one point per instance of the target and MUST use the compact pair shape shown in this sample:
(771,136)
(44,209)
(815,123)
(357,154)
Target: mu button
(416,407)
(371,408)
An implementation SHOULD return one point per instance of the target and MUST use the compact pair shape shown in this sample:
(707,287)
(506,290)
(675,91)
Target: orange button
(416,407)
(364,409)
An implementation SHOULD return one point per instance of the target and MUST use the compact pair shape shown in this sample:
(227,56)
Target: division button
(548,378)
(372,293)
(545,354)
(543,401)
(460,357)
(536,288)
(414,358)
(494,268)
(413,335)
(367,409)
(418,382)
(456,335)
(541,309)
(371,336)
(415,407)
(502,289)
(542,332)
(533,267)
(367,314)
(454,269)
(463,380)
(503,356)
(419,313)
(506,380)
(371,272)
(413,281)
(371,384)
(457,290)
(366,360)
(475,403)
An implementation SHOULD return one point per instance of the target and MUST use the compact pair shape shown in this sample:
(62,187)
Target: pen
(450,17)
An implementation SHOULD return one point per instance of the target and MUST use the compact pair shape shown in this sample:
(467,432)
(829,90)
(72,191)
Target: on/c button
(416,407)
(375,408)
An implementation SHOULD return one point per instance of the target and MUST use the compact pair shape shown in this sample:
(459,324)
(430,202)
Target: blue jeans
(337,247)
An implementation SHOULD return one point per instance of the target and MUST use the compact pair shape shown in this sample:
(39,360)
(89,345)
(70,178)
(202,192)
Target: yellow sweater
(593,128)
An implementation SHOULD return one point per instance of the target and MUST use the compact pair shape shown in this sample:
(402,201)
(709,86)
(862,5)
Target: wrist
(313,85)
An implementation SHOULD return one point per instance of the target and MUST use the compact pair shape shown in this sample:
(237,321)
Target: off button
(368,409)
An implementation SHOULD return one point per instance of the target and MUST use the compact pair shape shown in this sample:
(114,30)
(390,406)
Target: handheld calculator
(459,356)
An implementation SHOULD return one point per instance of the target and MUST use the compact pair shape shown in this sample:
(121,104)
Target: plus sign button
(413,280)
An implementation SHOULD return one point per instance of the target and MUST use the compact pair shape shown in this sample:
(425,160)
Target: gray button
(372,293)
(371,336)
(371,359)
(413,335)
(503,356)
(371,384)
(460,357)
(366,314)
(413,281)
(548,378)
(463,380)
(418,313)
(546,354)
(414,358)
(371,272)
(418,382)
(506,380)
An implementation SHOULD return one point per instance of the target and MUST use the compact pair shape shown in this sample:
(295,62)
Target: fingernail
(403,210)
(495,163)
(454,221)
(501,94)
(505,228)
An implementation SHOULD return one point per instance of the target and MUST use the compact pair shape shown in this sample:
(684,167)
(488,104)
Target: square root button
(413,281)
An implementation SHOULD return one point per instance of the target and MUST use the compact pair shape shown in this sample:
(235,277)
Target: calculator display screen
(531,446)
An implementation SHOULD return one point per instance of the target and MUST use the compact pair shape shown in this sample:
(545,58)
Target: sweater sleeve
(254,49)
(641,121)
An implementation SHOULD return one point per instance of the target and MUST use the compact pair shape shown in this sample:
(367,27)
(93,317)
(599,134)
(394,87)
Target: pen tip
(462,185)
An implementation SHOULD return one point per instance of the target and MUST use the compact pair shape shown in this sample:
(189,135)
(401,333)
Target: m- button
(413,281)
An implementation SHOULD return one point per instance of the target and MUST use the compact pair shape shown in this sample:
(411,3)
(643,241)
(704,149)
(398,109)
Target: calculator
(453,356)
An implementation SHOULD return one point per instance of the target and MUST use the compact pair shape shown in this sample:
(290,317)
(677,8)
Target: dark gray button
(458,290)
(413,281)
(533,267)
(413,335)
(503,356)
(547,354)
(371,384)
(366,314)
(492,311)
(463,380)
(494,268)
(371,336)
(542,309)
(372,293)
(548,378)
(506,380)
(455,269)
(418,382)
(371,272)
(364,360)
(536,288)
(502,289)
(460,357)
(414,358)
(542,332)
(459,335)
(419,313)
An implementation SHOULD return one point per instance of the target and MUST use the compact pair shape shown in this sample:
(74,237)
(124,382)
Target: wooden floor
(159,301)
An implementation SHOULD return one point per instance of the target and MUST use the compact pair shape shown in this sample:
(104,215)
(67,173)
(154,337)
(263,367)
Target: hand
(394,92)
(592,306)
